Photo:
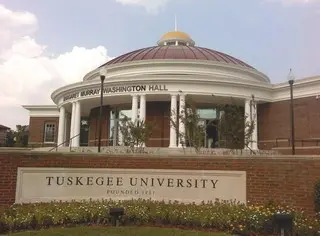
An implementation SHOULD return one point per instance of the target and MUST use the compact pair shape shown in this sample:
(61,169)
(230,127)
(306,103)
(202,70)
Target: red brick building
(3,134)
(152,84)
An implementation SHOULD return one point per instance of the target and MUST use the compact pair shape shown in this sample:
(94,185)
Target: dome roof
(176,38)
(177,52)
(175,34)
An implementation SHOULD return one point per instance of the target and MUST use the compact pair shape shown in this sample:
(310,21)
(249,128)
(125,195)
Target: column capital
(182,96)
(174,94)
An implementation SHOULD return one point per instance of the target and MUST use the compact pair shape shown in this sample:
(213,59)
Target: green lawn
(120,231)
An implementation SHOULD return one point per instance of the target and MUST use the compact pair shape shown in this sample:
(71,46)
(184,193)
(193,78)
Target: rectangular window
(49,132)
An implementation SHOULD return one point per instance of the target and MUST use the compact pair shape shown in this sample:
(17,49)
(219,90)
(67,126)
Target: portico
(163,107)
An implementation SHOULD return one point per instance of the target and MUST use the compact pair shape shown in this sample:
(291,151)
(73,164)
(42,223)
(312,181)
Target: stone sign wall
(48,184)
(280,179)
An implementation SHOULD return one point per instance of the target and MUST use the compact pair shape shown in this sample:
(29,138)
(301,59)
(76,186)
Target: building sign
(48,184)
(117,89)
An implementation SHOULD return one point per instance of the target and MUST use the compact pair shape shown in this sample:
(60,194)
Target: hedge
(224,216)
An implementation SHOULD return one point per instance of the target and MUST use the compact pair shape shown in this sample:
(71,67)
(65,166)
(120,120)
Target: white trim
(172,65)
(77,124)
(168,71)
(42,110)
(193,77)
(61,127)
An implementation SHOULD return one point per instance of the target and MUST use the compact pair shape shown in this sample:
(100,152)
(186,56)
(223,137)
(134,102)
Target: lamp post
(103,72)
(291,82)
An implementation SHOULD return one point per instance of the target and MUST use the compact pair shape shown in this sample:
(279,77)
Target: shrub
(218,215)
(317,196)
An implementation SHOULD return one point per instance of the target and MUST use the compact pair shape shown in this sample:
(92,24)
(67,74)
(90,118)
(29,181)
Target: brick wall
(94,126)
(274,122)
(157,112)
(36,129)
(285,180)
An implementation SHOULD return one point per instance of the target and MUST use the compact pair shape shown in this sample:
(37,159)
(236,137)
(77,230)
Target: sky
(48,44)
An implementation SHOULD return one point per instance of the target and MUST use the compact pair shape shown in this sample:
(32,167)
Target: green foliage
(135,133)
(317,196)
(234,127)
(117,231)
(9,141)
(18,137)
(231,126)
(21,135)
(221,216)
(194,129)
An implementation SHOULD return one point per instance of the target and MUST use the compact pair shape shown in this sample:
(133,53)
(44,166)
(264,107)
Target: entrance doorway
(211,134)
(208,118)
(84,131)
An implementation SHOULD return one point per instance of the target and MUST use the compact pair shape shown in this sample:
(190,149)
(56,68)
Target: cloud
(15,25)
(27,74)
(152,6)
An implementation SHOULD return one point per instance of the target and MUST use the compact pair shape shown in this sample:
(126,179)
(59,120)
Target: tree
(21,135)
(234,127)
(194,129)
(136,133)
(9,140)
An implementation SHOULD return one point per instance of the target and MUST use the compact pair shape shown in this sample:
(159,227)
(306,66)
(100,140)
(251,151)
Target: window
(207,113)
(49,132)
(171,43)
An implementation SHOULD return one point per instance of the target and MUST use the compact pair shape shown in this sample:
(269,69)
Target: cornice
(229,80)
(193,72)
(299,82)
(152,65)
(40,107)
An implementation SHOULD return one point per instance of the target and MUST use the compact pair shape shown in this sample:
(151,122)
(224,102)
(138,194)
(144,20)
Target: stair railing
(68,140)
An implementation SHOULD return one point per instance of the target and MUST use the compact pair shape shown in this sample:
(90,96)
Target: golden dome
(176,38)
(175,35)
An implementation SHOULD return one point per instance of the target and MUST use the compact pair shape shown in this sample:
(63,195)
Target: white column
(134,114)
(173,130)
(115,127)
(62,122)
(77,123)
(66,127)
(254,144)
(142,107)
(182,128)
(73,112)
(247,112)
(142,112)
